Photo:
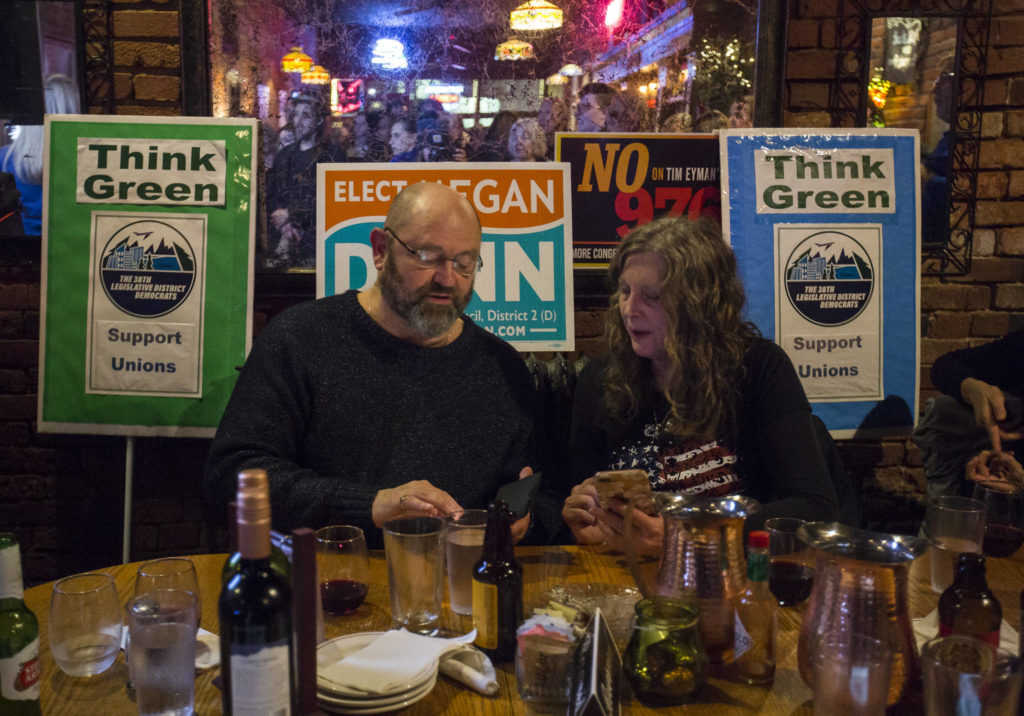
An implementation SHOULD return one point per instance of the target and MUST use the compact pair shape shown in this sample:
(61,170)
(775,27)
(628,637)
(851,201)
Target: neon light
(389,54)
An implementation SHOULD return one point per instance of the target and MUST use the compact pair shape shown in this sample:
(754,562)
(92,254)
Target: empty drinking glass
(85,624)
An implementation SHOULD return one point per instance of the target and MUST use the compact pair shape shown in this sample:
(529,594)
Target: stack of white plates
(344,699)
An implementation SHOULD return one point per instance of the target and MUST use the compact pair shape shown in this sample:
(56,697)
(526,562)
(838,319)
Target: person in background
(935,195)
(710,121)
(495,145)
(291,184)
(526,141)
(24,158)
(368,406)
(592,108)
(403,140)
(689,392)
(974,430)
(553,117)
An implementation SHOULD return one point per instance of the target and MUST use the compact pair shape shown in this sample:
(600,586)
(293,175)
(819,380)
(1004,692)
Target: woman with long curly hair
(689,392)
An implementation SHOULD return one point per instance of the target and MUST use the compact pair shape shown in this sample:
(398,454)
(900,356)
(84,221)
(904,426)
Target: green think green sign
(147,290)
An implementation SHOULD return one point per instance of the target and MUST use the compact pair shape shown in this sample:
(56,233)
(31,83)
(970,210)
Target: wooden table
(544,567)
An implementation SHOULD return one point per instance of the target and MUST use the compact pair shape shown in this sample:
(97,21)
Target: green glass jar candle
(665,661)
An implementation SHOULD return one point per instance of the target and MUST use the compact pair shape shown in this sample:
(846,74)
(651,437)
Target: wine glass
(791,575)
(1004,516)
(85,623)
(169,573)
(343,568)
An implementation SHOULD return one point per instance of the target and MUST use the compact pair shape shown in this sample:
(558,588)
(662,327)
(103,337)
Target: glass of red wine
(1004,516)
(792,568)
(343,568)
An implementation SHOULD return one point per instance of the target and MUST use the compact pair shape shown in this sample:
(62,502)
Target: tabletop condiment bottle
(968,606)
(497,588)
(756,618)
(255,615)
(19,637)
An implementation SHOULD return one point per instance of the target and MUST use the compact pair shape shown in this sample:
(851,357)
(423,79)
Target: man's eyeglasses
(465,264)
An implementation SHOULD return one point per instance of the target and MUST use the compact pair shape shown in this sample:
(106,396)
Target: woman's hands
(591,524)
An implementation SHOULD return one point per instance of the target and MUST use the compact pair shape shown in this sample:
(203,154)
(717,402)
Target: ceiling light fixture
(315,75)
(536,15)
(513,50)
(296,61)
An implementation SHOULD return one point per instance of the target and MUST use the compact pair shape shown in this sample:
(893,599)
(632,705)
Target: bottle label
(19,674)
(260,679)
(991,638)
(485,614)
(742,642)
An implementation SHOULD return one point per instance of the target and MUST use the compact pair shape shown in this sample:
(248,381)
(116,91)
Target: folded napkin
(207,648)
(391,661)
(927,627)
(472,667)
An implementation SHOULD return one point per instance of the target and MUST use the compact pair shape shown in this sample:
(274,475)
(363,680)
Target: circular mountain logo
(148,268)
(829,278)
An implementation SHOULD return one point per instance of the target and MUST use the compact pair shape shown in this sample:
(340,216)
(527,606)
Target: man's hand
(990,465)
(413,499)
(989,406)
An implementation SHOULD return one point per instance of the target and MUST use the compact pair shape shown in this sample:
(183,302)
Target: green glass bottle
(19,637)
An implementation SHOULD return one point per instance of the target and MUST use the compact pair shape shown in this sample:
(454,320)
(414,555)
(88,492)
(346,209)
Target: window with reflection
(437,80)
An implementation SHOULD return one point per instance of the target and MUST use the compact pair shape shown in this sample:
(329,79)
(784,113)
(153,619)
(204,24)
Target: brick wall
(956,312)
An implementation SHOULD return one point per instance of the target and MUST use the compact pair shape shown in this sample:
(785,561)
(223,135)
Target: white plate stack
(346,699)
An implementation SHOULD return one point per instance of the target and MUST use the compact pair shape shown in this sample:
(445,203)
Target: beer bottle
(968,606)
(19,637)
(497,588)
(756,618)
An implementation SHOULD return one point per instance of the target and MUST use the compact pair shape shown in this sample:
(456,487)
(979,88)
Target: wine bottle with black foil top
(756,618)
(19,637)
(968,606)
(497,588)
(255,615)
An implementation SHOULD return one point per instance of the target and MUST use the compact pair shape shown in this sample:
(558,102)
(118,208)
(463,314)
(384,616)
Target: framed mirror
(921,64)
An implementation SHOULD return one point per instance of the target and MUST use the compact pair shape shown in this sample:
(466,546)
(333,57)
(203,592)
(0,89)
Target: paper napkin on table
(472,667)
(207,648)
(391,660)
(927,627)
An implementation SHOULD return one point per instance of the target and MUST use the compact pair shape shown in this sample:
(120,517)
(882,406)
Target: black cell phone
(518,495)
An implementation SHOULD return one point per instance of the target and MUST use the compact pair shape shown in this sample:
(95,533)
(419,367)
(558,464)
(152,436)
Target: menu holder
(596,672)
(304,603)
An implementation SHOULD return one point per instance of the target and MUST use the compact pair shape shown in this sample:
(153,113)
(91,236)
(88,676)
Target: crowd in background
(400,130)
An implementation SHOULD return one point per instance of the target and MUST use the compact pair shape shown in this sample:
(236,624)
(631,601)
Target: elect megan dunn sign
(523,293)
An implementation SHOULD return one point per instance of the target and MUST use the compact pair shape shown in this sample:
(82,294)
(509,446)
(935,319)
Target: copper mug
(861,587)
(701,559)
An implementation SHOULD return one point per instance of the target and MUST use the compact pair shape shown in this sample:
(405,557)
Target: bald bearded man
(386,403)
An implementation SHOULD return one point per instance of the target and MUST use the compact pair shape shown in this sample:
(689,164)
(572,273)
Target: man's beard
(431,319)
